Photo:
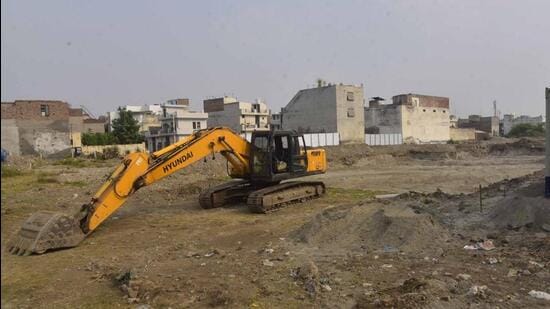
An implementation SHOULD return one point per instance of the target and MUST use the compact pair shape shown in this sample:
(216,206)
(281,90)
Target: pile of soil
(523,146)
(525,207)
(350,154)
(372,227)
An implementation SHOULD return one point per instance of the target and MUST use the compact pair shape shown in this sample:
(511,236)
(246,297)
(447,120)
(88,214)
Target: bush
(8,171)
(94,139)
(46,178)
(527,130)
(72,162)
(110,153)
(452,142)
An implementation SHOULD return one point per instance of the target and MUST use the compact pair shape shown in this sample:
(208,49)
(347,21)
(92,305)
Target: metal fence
(312,139)
(321,139)
(333,139)
(383,139)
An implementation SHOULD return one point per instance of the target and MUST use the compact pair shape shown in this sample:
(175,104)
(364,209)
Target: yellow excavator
(260,167)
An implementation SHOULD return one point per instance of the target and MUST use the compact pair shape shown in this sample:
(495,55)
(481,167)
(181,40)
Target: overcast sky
(103,54)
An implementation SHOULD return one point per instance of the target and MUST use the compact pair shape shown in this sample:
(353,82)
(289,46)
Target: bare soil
(348,249)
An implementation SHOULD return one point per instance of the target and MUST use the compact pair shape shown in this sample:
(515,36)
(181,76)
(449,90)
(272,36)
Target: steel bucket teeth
(45,231)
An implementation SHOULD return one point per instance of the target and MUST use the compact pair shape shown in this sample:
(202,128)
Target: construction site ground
(348,249)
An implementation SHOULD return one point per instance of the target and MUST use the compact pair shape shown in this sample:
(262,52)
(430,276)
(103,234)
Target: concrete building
(510,120)
(276,121)
(145,115)
(240,116)
(488,124)
(327,109)
(176,121)
(419,118)
(91,125)
(454,121)
(40,127)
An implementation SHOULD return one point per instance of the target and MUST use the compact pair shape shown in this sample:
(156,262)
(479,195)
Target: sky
(104,54)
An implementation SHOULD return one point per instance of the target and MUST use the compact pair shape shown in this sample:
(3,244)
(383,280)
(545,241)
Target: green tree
(527,130)
(126,128)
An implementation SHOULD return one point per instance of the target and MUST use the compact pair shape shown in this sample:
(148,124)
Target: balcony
(246,111)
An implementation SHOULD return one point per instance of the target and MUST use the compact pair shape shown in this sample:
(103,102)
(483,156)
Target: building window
(351,112)
(444,112)
(350,96)
(424,110)
(196,125)
(44,110)
(434,110)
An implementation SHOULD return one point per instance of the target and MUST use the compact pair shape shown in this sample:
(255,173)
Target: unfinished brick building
(40,126)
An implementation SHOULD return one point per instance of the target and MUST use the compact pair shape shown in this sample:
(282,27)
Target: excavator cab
(277,155)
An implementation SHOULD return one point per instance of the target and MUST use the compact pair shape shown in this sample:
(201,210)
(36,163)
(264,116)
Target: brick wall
(213,105)
(8,110)
(424,100)
(31,110)
(28,131)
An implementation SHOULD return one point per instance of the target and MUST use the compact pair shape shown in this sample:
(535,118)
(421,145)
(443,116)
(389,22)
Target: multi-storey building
(176,121)
(240,116)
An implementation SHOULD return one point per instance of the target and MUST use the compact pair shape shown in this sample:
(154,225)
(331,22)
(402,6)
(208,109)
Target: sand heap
(372,227)
(526,207)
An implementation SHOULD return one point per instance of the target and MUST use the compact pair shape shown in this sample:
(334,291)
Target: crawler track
(218,196)
(275,197)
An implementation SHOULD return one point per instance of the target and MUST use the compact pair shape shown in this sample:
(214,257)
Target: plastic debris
(493,260)
(536,264)
(478,290)
(485,245)
(326,287)
(539,294)
(463,277)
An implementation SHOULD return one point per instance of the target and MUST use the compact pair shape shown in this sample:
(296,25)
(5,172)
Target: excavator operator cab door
(261,156)
(299,155)
(277,156)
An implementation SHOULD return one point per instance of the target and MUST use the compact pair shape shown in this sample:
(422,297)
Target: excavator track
(278,196)
(218,196)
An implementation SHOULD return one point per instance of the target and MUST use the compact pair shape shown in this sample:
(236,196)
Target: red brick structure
(40,126)
(423,100)
(35,110)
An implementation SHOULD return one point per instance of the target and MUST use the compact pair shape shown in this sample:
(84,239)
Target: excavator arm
(48,230)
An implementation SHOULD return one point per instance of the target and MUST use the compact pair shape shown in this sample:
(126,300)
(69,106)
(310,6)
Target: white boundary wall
(383,139)
(122,149)
(321,139)
(312,139)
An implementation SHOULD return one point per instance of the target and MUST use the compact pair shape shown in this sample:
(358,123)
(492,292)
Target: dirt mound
(522,146)
(525,207)
(374,227)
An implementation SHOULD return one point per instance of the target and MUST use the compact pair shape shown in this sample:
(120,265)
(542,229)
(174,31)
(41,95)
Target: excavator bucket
(44,231)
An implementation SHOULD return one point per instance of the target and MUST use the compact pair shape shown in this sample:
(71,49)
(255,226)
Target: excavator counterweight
(261,166)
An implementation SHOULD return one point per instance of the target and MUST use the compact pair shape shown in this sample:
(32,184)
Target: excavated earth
(390,232)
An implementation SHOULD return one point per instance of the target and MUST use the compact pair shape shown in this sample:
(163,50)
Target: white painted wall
(425,124)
